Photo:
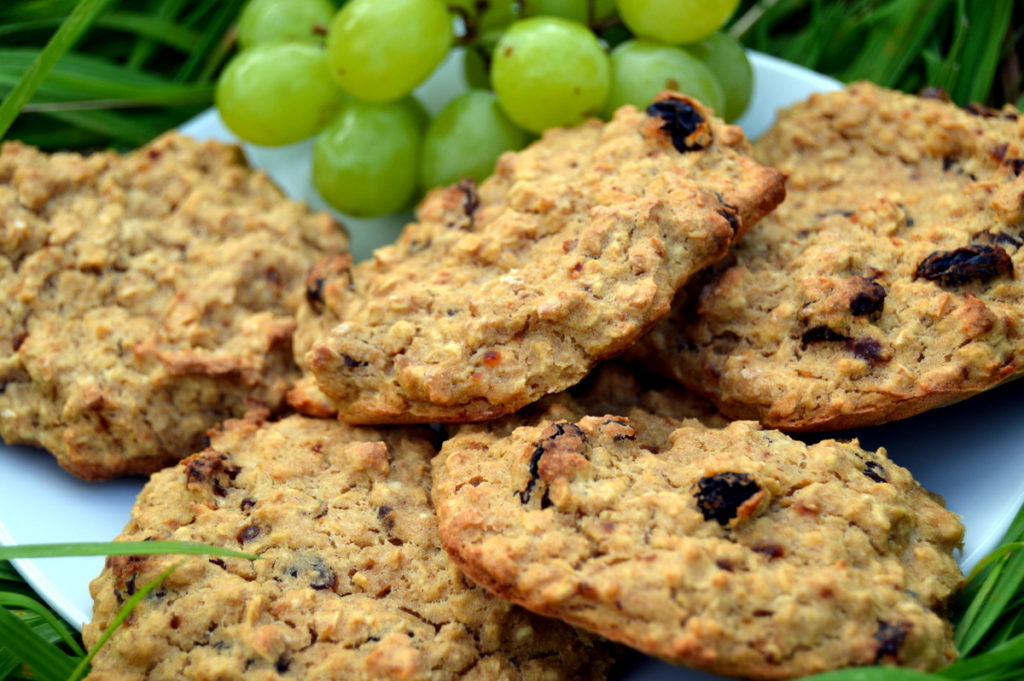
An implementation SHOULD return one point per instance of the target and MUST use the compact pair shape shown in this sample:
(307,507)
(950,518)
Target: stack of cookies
(570,502)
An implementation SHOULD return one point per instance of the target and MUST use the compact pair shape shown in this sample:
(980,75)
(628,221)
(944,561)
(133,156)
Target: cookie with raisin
(735,550)
(144,298)
(886,284)
(351,581)
(502,293)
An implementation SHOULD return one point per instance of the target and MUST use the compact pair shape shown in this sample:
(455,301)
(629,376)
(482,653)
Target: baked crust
(506,292)
(889,281)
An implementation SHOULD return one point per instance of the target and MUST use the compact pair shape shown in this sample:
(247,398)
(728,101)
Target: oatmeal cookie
(352,583)
(735,550)
(508,291)
(886,284)
(144,298)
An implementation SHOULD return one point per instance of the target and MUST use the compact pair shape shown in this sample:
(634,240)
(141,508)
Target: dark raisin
(890,637)
(282,665)
(870,299)
(315,294)
(248,533)
(247,504)
(415,246)
(974,263)
(470,199)
(682,122)
(867,349)
(385,517)
(989,112)
(771,550)
(720,496)
(725,565)
(729,212)
(219,563)
(1001,238)
(999,151)
(875,471)
(540,448)
(821,334)
(932,92)
(19,340)
(837,211)
(352,363)
(948,162)
(1016,165)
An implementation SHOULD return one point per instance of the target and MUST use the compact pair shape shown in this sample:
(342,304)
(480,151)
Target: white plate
(971,453)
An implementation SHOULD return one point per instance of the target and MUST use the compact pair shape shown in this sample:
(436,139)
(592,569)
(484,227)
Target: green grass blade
(152,28)
(8,573)
(8,663)
(108,124)
(122,615)
(32,605)
(143,48)
(213,35)
(895,40)
(1003,583)
(989,20)
(1009,655)
(49,663)
(69,32)
(118,548)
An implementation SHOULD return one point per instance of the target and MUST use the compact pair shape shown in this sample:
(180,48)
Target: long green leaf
(989,21)
(153,28)
(1009,655)
(117,548)
(896,40)
(989,604)
(121,616)
(69,32)
(32,605)
(199,60)
(143,49)
(47,661)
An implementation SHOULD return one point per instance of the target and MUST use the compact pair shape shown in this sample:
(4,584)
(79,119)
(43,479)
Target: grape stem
(750,17)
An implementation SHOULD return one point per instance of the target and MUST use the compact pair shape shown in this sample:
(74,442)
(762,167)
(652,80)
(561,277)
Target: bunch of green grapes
(347,76)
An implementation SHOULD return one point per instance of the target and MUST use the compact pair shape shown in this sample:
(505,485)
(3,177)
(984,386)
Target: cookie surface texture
(738,550)
(144,298)
(353,582)
(505,292)
(887,283)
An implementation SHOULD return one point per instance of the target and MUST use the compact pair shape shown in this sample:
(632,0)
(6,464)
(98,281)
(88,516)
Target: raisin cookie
(886,284)
(508,291)
(352,582)
(735,550)
(144,298)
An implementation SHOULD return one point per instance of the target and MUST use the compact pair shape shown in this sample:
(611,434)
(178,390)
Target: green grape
(549,71)
(728,61)
(466,138)
(485,15)
(641,69)
(574,10)
(277,93)
(366,161)
(276,21)
(379,50)
(675,21)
